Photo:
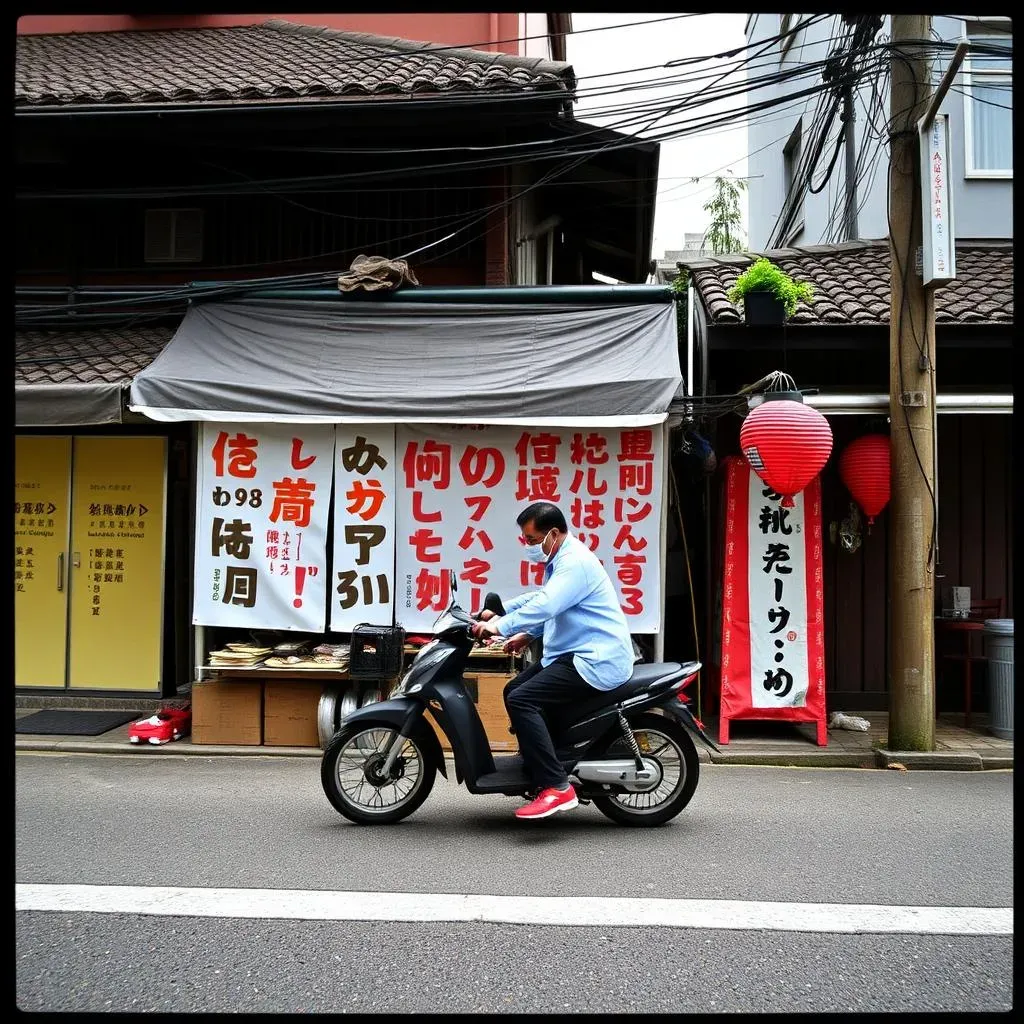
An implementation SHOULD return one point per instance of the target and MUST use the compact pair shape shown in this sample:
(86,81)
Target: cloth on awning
(322,361)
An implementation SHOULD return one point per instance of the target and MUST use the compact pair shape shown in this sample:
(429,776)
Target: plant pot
(763,309)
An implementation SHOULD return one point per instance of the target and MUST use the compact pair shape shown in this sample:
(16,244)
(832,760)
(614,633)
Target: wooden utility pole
(912,513)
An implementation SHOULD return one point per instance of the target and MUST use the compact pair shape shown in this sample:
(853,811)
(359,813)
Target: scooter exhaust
(622,773)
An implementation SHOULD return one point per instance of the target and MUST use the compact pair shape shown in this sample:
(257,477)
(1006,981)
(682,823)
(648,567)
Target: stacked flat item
(239,655)
(323,656)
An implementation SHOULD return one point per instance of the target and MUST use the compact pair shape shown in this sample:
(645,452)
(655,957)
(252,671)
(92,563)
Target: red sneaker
(167,724)
(548,802)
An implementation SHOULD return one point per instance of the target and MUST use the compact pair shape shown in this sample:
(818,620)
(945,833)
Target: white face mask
(535,552)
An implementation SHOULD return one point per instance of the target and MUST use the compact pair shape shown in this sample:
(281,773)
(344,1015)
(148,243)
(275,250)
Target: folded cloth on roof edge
(373,273)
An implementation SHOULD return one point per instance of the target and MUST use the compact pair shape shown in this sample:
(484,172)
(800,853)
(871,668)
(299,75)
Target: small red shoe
(548,802)
(167,724)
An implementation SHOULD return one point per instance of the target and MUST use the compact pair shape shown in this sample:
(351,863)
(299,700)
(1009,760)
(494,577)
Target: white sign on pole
(460,488)
(364,526)
(261,525)
(938,263)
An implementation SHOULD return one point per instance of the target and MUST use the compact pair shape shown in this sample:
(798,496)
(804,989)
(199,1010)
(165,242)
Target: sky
(648,41)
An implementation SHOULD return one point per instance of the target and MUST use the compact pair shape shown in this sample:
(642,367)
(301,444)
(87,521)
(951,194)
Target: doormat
(71,722)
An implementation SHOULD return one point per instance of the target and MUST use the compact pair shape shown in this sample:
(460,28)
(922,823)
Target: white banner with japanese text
(262,500)
(772,603)
(460,488)
(363,566)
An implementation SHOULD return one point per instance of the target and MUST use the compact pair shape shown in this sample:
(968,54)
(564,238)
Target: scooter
(628,751)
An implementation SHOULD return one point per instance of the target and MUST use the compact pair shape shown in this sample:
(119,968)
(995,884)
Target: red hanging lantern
(786,442)
(864,469)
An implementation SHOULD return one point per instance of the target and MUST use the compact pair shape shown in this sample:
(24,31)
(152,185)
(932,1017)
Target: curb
(878,758)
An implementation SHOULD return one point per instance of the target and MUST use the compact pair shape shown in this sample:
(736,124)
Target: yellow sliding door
(42,485)
(117,554)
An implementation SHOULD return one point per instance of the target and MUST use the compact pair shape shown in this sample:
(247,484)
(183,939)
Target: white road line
(602,911)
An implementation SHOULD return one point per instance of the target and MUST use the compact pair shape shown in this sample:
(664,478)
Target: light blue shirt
(580,614)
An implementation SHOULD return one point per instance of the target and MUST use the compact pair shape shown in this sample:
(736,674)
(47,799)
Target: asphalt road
(805,836)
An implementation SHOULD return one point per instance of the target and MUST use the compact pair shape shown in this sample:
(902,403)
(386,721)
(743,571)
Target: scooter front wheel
(664,740)
(352,774)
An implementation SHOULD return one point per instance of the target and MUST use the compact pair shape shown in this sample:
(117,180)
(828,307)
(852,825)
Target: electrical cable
(674,486)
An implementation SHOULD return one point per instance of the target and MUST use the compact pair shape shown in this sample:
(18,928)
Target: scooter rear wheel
(351,773)
(664,740)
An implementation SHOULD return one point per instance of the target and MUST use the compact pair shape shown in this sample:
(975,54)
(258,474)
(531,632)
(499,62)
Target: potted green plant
(769,294)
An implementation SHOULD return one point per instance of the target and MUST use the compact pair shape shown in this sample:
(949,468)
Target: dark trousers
(532,699)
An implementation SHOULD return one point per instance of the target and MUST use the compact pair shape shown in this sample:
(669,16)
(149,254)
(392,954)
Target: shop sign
(262,505)
(938,264)
(460,488)
(772,616)
(364,526)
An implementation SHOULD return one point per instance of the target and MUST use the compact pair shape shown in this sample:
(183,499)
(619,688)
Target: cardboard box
(491,709)
(227,711)
(290,712)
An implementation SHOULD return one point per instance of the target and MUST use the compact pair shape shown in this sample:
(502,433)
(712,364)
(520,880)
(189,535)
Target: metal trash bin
(999,649)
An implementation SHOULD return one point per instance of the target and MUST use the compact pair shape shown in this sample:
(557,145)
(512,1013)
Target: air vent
(174,236)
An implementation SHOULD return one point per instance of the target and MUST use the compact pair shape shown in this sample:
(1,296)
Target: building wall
(983,207)
(480,31)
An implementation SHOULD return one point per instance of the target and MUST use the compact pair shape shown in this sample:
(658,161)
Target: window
(988,105)
(174,236)
(793,202)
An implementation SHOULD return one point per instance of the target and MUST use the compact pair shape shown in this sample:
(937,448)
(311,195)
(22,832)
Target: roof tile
(86,357)
(274,60)
(852,284)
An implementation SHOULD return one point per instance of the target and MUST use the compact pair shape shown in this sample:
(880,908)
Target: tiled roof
(86,357)
(852,284)
(274,60)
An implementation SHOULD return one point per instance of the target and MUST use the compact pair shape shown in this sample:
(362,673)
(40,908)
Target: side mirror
(452,580)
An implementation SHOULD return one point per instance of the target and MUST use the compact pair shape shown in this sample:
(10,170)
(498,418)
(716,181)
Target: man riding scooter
(587,646)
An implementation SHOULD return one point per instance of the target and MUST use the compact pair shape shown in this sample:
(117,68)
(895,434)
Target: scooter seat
(643,678)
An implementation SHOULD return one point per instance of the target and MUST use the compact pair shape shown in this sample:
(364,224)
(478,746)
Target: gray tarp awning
(61,405)
(324,361)
(79,377)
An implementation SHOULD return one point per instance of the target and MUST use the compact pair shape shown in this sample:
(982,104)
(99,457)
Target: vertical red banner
(773,647)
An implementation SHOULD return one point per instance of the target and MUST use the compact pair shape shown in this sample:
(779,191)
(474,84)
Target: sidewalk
(751,742)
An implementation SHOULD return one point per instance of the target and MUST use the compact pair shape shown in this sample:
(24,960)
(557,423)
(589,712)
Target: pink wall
(459,29)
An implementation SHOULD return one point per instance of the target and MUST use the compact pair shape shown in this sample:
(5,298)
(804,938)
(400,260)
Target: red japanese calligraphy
(595,485)
(635,517)
(531,574)
(479,503)
(630,568)
(293,500)
(636,445)
(590,449)
(365,498)
(298,462)
(625,536)
(638,478)
(468,536)
(586,514)
(475,570)
(419,514)
(433,590)
(423,541)
(433,465)
(537,484)
(241,455)
(474,466)
(544,447)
